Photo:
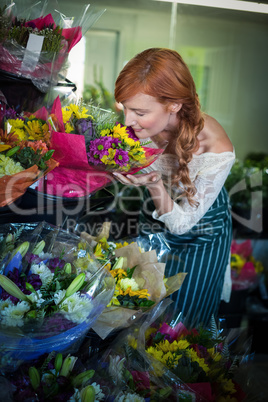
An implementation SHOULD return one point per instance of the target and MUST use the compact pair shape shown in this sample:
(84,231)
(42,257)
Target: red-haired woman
(184,189)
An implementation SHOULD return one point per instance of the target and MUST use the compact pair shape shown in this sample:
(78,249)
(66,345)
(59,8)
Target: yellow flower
(137,154)
(106,133)
(227,385)
(157,354)
(120,245)
(36,130)
(199,360)
(68,128)
(132,341)
(130,142)
(78,111)
(119,273)
(237,262)
(150,331)
(98,252)
(174,346)
(4,147)
(119,131)
(171,359)
(66,114)
(109,159)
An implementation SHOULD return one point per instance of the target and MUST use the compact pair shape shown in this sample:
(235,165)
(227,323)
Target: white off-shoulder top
(208,171)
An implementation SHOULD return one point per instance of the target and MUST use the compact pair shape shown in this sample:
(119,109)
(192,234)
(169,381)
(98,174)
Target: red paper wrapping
(74,177)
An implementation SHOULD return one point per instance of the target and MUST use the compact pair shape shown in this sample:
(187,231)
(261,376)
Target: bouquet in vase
(52,291)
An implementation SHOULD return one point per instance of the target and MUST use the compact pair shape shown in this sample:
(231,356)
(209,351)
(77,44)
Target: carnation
(126,283)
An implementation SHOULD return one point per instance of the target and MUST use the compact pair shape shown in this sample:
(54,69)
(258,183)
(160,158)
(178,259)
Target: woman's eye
(139,114)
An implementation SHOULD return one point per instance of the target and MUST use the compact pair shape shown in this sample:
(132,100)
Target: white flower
(116,368)
(43,271)
(59,295)
(126,283)
(13,314)
(76,307)
(5,303)
(36,297)
(99,395)
(129,397)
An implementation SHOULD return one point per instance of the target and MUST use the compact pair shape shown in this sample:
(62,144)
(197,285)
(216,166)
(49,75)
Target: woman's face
(148,117)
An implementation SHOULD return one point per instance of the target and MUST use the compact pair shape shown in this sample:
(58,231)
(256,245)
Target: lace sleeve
(212,173)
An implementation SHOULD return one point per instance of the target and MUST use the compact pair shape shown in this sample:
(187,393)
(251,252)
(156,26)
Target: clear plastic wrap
(36,48)
(198,358)
(64,290)
(148,276)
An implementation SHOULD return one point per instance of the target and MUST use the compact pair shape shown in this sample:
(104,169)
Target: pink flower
(244,249)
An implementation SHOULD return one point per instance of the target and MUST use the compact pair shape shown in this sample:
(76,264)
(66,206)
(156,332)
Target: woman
(184,193)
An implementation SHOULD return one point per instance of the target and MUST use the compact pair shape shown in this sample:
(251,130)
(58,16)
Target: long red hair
(163,74)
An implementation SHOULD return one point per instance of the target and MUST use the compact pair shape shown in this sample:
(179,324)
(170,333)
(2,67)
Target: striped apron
(203,253)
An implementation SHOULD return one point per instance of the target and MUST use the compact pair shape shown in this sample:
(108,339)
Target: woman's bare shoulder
(213,137)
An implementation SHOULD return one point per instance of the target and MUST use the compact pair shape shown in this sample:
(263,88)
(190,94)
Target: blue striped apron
(203,253)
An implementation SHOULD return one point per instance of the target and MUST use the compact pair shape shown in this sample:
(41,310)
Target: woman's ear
(175,107)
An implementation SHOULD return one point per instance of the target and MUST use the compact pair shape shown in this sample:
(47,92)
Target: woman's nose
(129,119)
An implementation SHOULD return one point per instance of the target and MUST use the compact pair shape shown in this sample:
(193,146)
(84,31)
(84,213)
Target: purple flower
(131,133)
(11,114)
(85,127)
(98,148)
(56,324)
(54,263)
(35,281)
(121,157)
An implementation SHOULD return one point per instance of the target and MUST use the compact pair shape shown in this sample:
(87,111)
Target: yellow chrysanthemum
(237,262)
(35,130)
(120,245)
(171,359)
(66,114)
(130,142)
(216,356)
(114,301)
(119,273)
(227,385)
(8,166)
(68,128)
(78,111)
(157,354)
(174,346)
(150,331)
(119,131)
(137,154)
(199,360)
(132,341)
(105,133)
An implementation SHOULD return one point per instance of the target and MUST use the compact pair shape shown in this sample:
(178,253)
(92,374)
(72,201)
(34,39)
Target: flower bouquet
(245,269)
(54,378)
(198,358)
(89,145)
(21,164)
(36,49)
(52,291)
(140,283)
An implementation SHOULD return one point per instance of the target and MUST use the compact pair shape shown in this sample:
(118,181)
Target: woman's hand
(146,179)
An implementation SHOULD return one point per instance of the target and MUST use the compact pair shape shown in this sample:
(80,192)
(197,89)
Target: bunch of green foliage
(242,172)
